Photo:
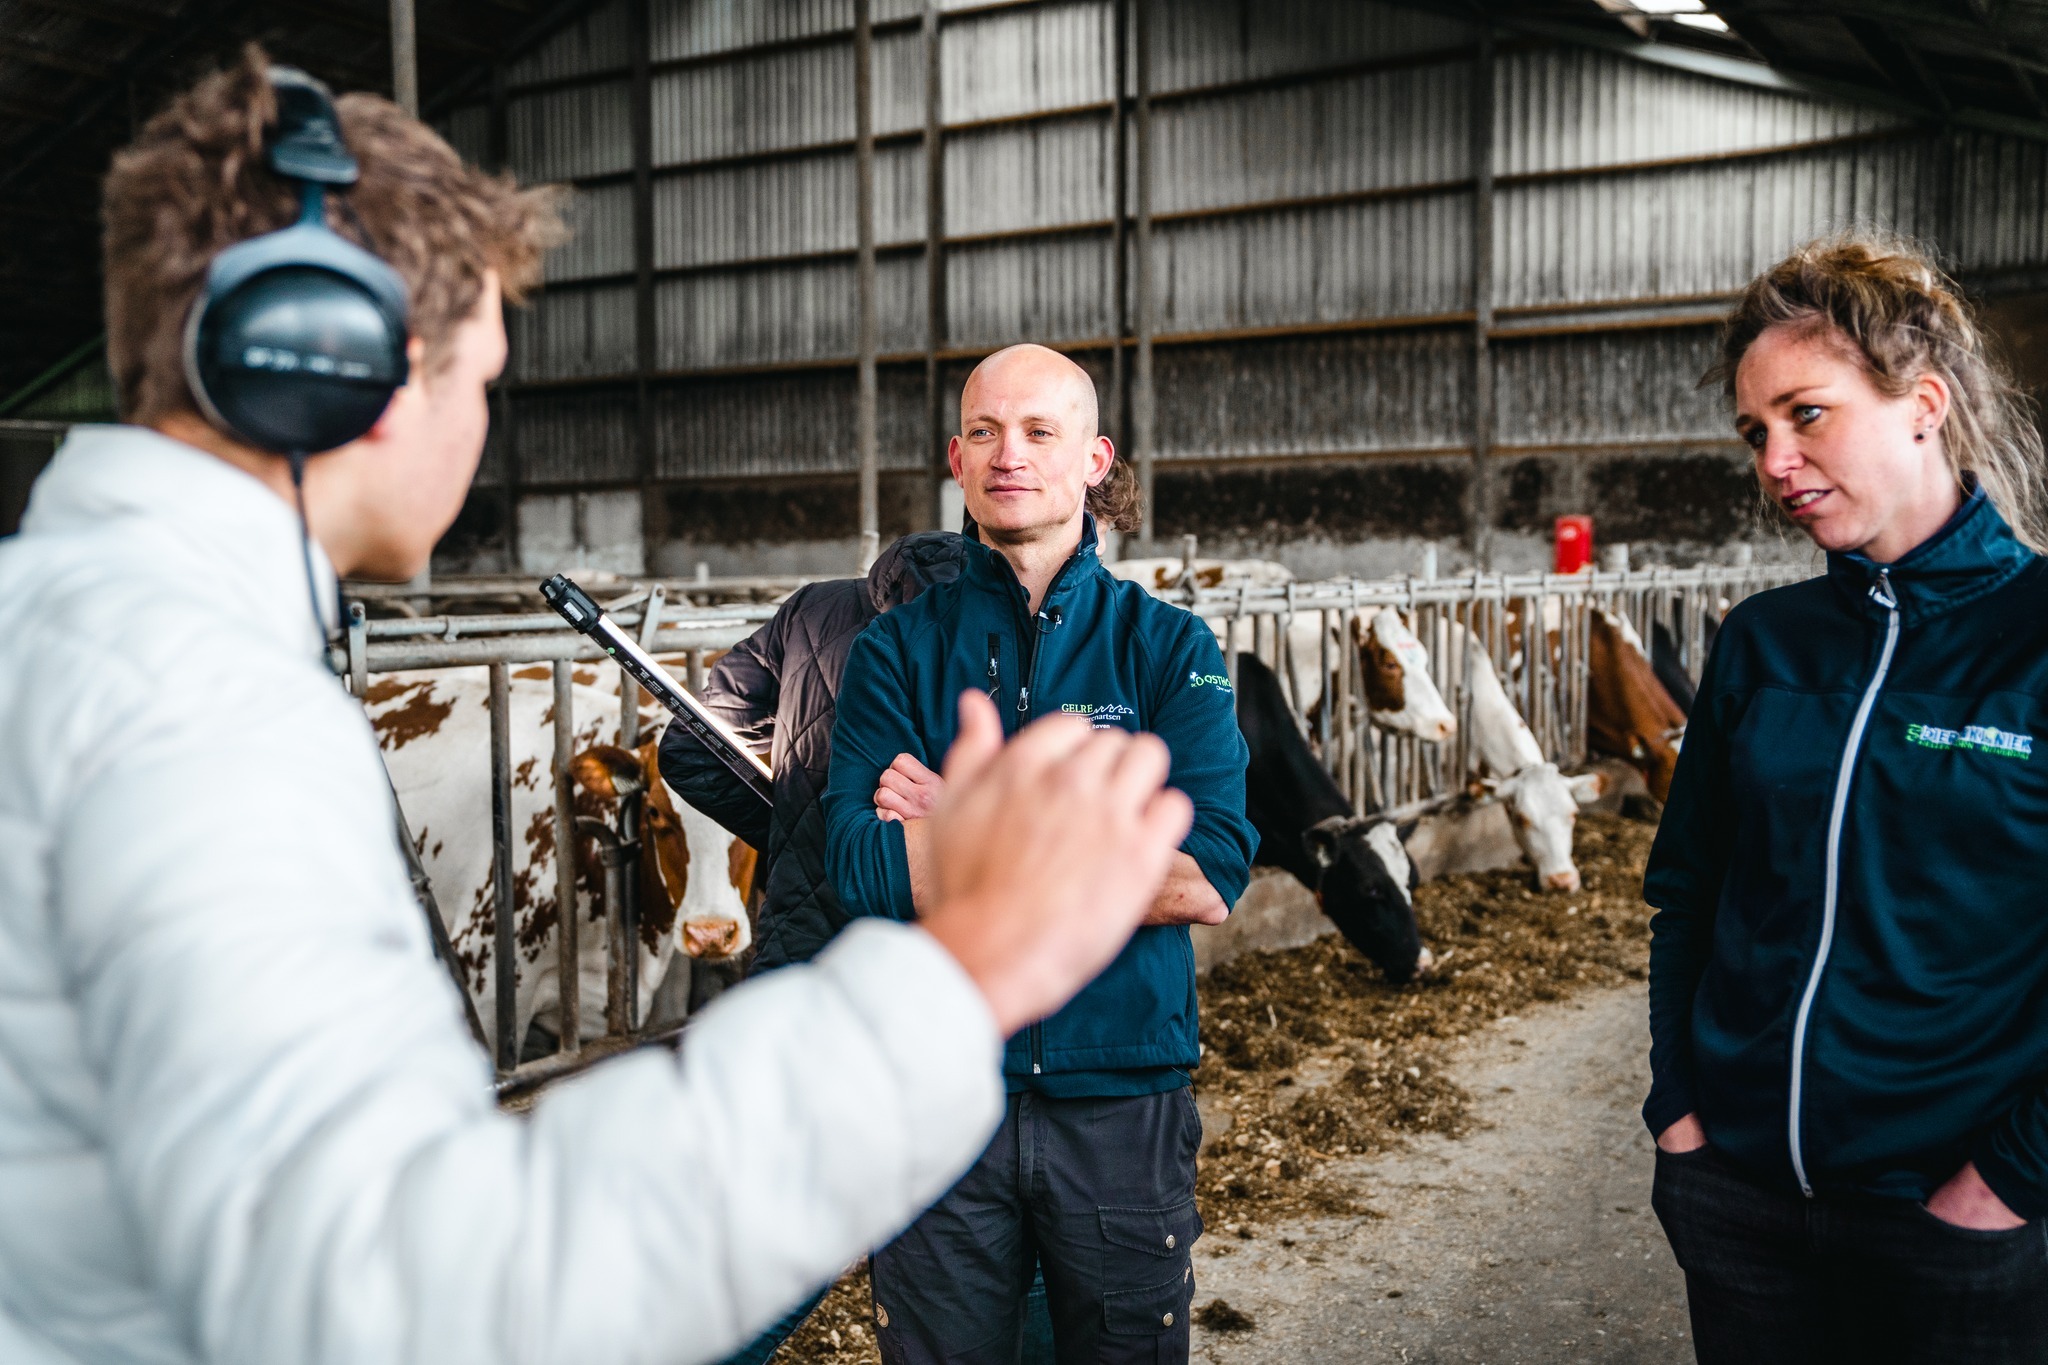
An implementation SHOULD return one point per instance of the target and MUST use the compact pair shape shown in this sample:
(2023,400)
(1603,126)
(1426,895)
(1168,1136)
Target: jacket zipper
(1880,593)
(1031,667)
(1044,623)
(1023,717)
(995,667)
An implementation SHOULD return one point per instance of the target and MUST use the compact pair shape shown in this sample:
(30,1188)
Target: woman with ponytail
(1849,963)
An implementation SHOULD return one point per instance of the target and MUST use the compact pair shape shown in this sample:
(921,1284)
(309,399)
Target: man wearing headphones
(240,1117)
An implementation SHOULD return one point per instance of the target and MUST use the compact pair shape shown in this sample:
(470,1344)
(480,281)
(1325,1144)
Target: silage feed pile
(1316,1059)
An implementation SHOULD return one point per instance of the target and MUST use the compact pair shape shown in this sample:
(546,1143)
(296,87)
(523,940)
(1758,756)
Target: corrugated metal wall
(1314,193)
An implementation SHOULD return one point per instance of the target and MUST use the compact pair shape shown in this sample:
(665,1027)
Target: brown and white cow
(1173,574)
(1629,714)
(1400,694)
(434,728)
(1542,804)
(1399,691)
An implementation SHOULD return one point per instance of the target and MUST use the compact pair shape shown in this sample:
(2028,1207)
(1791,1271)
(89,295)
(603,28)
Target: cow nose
(1567,880)
(710,939)
(1424,961)
(1445,729)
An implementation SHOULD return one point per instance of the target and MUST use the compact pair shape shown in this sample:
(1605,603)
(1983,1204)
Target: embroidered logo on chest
(1981,739)
(1103,715)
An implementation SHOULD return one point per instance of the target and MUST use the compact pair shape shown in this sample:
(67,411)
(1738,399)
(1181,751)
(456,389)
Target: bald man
(1092,1173)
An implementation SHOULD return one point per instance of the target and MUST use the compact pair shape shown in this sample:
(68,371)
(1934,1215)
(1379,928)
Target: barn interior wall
(21,459)
(1314,192)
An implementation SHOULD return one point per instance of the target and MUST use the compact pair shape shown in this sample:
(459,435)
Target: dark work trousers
(1775,1277)
(1100,1193)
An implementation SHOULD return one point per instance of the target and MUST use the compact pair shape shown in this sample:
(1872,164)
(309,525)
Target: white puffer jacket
(241,1119)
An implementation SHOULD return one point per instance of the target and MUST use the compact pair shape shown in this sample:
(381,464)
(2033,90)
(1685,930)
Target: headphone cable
(297,460)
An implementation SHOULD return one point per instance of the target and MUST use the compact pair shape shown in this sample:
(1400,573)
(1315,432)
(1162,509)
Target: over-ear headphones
(297,341)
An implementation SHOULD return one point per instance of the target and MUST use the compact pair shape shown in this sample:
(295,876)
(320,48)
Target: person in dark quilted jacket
(779,689)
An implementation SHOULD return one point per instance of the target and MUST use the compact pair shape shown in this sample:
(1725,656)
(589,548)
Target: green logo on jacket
(1221,680)
(1982,739)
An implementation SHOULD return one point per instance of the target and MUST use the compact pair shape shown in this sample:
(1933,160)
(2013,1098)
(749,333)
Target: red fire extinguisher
(1573,538)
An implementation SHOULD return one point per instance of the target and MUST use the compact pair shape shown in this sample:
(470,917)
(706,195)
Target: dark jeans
(1774,1277)
(1100,1193)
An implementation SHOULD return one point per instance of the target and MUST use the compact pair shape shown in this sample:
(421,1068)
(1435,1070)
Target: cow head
(1629,714)
(611,773)
(1398,688)
(1543,809)
(1365,889)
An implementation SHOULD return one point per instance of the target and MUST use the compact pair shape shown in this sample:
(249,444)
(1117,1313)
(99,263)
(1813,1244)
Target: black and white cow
(1355,864)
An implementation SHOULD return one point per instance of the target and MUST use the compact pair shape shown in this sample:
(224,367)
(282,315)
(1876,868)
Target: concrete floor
(1529,1242)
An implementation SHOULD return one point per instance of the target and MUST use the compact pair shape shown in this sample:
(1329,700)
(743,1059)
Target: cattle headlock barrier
(1378,770)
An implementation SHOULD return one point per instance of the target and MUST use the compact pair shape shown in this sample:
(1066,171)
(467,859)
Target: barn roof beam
(1741,72)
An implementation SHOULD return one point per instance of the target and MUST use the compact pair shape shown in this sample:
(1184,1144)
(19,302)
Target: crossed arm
(908,791)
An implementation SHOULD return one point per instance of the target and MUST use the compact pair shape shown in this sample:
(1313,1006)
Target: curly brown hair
(1117,501)
(195,182)
(1892,308)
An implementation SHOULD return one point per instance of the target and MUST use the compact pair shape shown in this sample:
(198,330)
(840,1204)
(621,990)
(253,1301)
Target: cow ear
(1586,788)
(608,771)
(1320,839)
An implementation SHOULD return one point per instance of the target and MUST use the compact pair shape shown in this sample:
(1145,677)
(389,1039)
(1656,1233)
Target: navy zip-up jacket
(1849,963)
(1097,647)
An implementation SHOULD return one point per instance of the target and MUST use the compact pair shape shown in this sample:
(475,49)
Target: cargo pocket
(1147,1275)
(1149,1312)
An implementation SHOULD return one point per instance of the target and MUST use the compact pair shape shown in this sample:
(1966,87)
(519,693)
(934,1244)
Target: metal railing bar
(532,649)
(568,958)
(504,928)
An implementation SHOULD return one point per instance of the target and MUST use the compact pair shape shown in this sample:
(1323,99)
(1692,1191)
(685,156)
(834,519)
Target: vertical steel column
(633,824)
(405,58)
(504,935)
(629,691)
(646,348)
(937,427)
(1230,648)
(1326,688)
(1339,701)
(1145,401)
(1119,416)
(864,276)
(567,950)
(1482,301)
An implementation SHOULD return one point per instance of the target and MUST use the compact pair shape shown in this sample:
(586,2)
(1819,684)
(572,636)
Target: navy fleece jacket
(1096,647)
(1849,963)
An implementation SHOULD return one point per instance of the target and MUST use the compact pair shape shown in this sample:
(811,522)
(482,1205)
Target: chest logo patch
(1103,715)
(1217,680)
(1982,739)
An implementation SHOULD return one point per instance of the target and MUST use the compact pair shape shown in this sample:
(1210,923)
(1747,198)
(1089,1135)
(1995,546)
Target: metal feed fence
(1377,769)
(1380,770)
(498,644)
